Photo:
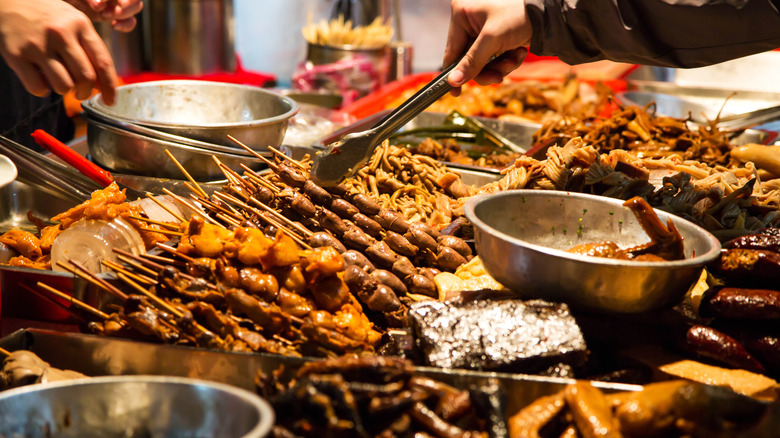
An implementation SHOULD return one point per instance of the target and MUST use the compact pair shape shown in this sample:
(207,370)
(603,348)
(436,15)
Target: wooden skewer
(100,314)
(220,209)
(137,277)
(263,182)
(162,303)
(265,160)
(284,156)
(186,201)
(165,207)
(166,232)
(184,171)
(4,352)
(228,219)
(161,259)
(289,232)
(154,222)
(303,230)
(84,273)
(170,250)
(140,259)
(231,176)
(52,300)
(136,265)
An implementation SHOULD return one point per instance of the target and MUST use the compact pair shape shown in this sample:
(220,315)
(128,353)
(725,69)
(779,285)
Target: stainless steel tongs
(344,157)
(738,122)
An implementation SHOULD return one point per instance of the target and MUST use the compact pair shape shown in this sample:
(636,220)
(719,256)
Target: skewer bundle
(338,32)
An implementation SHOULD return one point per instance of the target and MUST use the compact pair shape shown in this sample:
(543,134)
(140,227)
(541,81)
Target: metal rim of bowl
(96,101)
(264,426)
(698,259)
(170,144)
(95,115)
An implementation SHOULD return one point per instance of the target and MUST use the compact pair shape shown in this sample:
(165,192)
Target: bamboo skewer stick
(136,265)
(304,231)
(186,201)
(166,208)
(154,222)
(283,227)
(284,156)
(80,304)
(161,259)
(220,209)
(4,352)
(265,160)
(166,232)
(228,219)
(263,182)
(137,277)
(170,250)
(84,273)
(184,171)
(53,301)
(140,259)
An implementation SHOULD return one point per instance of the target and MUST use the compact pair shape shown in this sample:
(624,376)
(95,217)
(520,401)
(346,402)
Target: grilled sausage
(352,257)
(263,194)
(343,208)
(420,238)
(740,303)
(429,273)
(769,241)
(383,299)
(390,280)
(711,343)
(400,244)
(448,259)
(331,222)
(403,267)
(382,255)
(358,280)
(291,176)
(370,226)
(365,204)
(338,190)
(316,193)
(392,220)
(356,238)
(455,243)
(425,228)
(421,285)
(324,238)
(303,205)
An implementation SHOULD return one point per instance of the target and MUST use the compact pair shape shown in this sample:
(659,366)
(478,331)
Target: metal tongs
(738,122)
(344,157)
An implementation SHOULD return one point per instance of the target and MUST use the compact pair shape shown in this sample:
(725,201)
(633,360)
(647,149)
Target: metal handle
(752,118)
(413,106)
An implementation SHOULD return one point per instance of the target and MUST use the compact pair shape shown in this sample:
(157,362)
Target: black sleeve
(672,33)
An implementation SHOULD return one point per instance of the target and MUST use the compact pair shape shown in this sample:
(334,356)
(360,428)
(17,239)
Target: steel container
(134,406)
(190,37)
(203,110)
(522,236)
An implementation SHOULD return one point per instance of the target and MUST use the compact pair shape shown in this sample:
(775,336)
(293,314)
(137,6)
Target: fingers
(96,51)
(97,5)
(495,70)
(31,78)
(126,25)
(78,65)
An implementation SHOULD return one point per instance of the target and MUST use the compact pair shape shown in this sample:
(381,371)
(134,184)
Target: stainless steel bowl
(522,236)
(203,110)
(134,406)
(128,152)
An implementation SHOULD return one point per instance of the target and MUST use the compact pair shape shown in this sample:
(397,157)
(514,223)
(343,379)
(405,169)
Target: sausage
(390,280)
(263,194)
(455,243)
(316,193)
(338,190)
(370,226)
(421,285)
(381,254)
(711,343)
(429,273)
(421,239)
(769,242)
(352,257)
(291,176)
(358,280)
(400,244)
(403,267)
(740,303)
(383,299)
(365,204)
(303,205)
(448,259)
(392,220)
(343,208)
(425,228)
(324,238)
(356,238)
(331,222)
(749,267)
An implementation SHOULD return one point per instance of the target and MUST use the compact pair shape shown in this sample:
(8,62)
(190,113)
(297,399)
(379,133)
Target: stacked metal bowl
(190,119)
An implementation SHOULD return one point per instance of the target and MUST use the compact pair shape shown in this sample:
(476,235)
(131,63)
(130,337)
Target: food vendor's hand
(481,29)
(51,45)
(120,13)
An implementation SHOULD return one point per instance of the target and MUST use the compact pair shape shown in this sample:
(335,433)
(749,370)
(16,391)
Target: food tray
(96,355)
(380,99)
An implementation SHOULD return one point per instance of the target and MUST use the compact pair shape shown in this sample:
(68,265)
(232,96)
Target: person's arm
(672,33)
(676,33)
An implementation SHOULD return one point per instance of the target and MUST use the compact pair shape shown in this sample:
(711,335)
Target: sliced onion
(91,241)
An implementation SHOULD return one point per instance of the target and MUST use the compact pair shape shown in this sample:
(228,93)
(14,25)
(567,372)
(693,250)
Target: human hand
(50,45)
(120,13)
(482,29)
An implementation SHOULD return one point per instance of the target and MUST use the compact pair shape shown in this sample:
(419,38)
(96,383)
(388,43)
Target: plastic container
(90,242)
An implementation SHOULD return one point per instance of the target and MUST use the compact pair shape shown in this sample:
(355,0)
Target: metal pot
(190,37)
(134,406)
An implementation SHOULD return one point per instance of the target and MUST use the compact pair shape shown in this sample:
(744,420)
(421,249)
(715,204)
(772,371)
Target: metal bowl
(522,236)
(203,110)
(128,152)
(134,406)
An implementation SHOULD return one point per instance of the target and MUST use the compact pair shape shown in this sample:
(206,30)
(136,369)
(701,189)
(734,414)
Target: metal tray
(96,356)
